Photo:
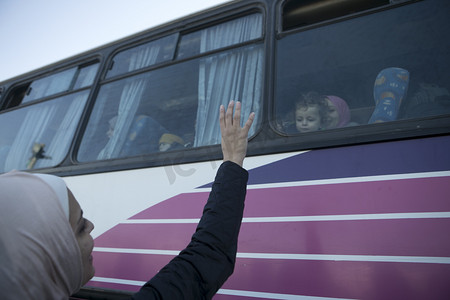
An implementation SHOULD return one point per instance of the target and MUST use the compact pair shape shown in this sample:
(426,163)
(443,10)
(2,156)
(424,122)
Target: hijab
(39,254)
(343,110)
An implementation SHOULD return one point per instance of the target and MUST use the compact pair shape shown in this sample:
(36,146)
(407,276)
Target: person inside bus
(338,115)
(142,137)
(170,141)
(310,114)
(429,99)
(46,246)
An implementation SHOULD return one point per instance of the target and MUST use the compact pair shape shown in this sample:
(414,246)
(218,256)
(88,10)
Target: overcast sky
(35,33)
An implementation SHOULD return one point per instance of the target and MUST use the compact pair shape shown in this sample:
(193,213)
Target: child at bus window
(170,142)
(46,245)
(310,113)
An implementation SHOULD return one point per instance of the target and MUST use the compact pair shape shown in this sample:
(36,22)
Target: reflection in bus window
(39,135)
(400,64)
(131,115)
(143,56)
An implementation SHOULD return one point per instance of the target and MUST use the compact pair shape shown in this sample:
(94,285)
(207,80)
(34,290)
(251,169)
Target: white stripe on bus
(224,291)
(289,256)
(387,216)
(339,180)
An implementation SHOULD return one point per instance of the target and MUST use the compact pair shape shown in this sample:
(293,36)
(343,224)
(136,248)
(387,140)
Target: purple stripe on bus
(147,236)
(354,280)
(341,279)
(409,156)
(392,196)
(402,237)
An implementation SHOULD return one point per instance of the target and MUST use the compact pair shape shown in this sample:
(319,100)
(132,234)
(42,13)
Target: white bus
(349,189)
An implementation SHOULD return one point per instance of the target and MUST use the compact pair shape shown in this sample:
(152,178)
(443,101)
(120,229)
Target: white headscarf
(39,254)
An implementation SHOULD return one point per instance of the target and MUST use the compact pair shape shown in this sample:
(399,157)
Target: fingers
(228,119)
(249,122)
(222,118)
(229,114)
(237,114)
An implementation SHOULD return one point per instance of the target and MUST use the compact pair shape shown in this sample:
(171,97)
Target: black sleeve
(206,263)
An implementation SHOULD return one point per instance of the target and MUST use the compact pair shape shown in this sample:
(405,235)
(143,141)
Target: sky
(35,33)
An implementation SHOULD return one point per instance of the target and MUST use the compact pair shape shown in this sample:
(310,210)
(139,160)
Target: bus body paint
(368,221)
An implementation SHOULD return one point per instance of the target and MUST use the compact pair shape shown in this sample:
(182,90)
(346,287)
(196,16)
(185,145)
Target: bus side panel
(367,221)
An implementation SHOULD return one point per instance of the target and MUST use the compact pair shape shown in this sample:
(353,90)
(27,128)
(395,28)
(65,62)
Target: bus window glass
(227,34)
(50,85)
(143,56)
(86,76)
(39,135)
(363,71)
(173,107)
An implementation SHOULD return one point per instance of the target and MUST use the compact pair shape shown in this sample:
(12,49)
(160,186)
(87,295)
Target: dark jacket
(206,263)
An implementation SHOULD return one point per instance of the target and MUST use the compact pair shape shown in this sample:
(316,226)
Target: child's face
(307,118)
(333,115)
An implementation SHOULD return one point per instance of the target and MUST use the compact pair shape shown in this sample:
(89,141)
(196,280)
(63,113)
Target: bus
(359,209)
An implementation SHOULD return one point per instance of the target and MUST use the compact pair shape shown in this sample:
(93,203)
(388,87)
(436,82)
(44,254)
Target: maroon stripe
(409,195)
(415,237)
(368,280)
(405,195)
(147,236)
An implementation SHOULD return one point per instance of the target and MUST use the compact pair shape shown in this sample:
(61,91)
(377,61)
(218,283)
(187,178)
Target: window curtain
(32,130)
(129,102)
(232,75)
(60,143)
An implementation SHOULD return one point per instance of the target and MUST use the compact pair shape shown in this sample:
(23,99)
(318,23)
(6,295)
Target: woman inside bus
(338,112)
(46,246)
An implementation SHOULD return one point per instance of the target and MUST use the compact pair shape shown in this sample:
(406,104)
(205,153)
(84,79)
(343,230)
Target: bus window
(50,85)
(303,13)
(39,135)
(65,81)
(397,67)
(176,104)
(16,95)
(86,76)
(227,34)
(143,56)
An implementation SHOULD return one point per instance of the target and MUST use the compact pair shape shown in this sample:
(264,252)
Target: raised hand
(234,137)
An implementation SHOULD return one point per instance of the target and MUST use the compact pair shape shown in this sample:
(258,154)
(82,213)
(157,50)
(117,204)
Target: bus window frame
(80,63)
(193,154)
(366,133)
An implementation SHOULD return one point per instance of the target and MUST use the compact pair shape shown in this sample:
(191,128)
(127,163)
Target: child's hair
(311,99)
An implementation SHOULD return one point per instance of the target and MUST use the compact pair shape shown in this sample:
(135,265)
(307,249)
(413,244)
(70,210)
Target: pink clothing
(343,110)
(39,254)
